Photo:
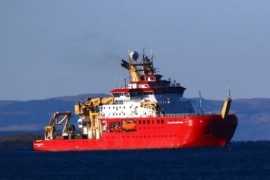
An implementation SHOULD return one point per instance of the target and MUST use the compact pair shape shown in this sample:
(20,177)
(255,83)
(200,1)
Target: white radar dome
(133,55)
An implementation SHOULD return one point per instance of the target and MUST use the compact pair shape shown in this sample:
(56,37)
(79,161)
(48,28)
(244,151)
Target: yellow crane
(89,110)
(49,130)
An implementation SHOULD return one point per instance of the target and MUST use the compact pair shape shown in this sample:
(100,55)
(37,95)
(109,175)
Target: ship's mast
(135,76)
(129,60)
(143,54)
(152,55)
(200,109)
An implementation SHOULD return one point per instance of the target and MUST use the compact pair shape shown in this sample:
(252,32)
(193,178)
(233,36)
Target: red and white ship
(147,113)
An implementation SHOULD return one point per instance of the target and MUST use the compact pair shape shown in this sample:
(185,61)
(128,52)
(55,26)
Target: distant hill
(31,116)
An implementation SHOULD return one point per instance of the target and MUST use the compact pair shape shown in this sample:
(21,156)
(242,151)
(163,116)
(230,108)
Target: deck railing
(193,114)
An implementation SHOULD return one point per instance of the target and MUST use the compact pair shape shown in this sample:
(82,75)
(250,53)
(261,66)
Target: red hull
(174,132)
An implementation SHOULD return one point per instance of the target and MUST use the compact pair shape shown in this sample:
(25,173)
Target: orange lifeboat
(129,126)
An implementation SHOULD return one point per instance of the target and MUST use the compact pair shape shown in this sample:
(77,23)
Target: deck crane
(49,130)
(89,116)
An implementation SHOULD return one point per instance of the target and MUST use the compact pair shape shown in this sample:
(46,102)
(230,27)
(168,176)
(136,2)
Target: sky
(51,48)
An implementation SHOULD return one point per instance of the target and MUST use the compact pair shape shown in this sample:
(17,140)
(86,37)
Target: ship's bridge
(147,90)
(145,83)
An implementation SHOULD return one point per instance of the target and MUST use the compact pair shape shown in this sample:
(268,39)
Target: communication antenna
(200,109)
(152,55)
(128,49)
(143,53)
(229,92)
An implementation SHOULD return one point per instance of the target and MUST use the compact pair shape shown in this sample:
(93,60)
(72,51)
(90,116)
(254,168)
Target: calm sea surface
(239,160)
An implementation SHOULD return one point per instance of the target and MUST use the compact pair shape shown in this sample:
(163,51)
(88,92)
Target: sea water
(239,160)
